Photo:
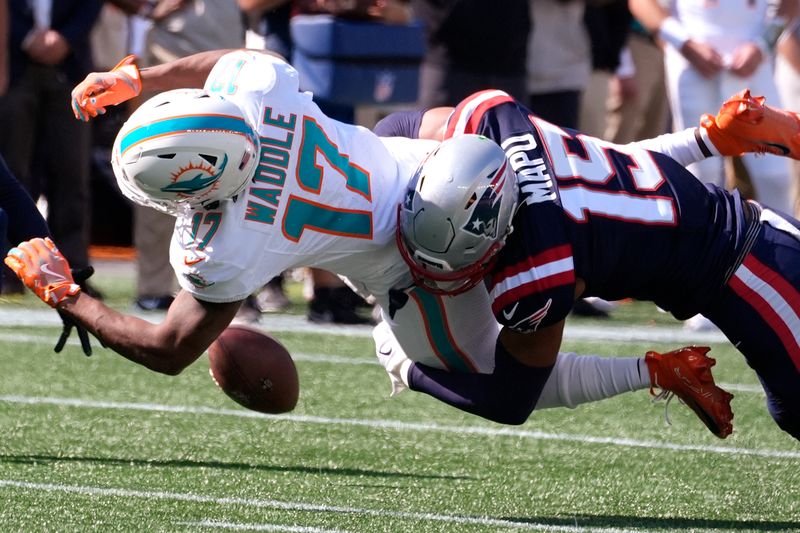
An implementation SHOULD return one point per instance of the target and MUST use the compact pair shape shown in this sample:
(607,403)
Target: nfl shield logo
(384,86)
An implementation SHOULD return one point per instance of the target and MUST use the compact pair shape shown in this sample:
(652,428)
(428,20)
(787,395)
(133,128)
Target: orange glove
(100,89)
(43,269)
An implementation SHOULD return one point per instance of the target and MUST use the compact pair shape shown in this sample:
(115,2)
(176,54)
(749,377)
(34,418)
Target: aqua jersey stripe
(183,124)
(303,214)
(437,329)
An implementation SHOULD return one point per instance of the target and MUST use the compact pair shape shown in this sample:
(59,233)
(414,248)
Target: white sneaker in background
(699,323)
(600,304)
(272,299)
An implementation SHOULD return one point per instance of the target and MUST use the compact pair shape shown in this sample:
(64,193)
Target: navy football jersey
(627,221)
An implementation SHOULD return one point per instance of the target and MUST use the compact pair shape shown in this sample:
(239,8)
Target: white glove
(392,358)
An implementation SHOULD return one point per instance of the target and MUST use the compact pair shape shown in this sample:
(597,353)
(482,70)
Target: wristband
(673,32)
(704,142)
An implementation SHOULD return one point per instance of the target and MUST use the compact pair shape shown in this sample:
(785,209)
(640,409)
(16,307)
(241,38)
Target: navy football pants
(759,311)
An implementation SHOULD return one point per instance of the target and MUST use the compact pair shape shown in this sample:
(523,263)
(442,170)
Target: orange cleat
(686,373)
(745,124)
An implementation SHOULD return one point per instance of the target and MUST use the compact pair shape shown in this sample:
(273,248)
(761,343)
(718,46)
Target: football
(254,369)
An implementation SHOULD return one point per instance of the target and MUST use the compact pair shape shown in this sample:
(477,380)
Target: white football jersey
(324,194)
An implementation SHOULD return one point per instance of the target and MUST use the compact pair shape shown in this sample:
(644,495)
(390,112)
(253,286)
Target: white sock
(578,379)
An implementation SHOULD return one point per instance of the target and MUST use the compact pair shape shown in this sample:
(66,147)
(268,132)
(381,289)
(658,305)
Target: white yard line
(217,524)
(741,387)
(318,358)
(400,426)
(10,316)
(309,357)
(298,506)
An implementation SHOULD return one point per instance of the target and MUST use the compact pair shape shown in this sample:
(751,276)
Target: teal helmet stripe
(175,125)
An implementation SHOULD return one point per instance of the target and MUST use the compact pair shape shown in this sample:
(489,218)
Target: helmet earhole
(245,159)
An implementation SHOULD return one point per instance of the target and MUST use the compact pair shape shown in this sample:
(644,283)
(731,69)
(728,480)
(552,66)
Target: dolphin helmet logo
(203,179)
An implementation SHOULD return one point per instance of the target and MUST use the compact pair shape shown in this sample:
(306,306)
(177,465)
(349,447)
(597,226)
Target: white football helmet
(457,213)
(184,148)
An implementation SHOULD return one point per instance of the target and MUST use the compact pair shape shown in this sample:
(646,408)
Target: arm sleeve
(688,146)
(508,395)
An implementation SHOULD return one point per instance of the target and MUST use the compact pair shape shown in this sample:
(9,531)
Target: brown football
(254,369)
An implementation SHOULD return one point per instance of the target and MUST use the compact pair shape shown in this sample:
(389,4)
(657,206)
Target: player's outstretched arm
(125,81)
(188,329)
(686,147)
(101,89)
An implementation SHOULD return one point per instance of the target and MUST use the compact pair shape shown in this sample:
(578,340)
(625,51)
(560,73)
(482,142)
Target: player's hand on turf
(101,89)
(43,269)
(79,275)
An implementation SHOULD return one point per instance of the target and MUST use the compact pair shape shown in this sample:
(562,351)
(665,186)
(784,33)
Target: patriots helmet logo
(411,190)
(408,200)
(483,219)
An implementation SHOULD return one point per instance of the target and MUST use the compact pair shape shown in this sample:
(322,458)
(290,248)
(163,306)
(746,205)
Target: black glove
(82,335)
(80,275)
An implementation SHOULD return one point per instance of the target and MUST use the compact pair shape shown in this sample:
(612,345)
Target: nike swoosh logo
(190,262)
(510,314)
(46,269)
(784,150)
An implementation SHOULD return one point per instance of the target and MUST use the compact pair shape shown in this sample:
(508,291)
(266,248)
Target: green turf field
(100,444)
